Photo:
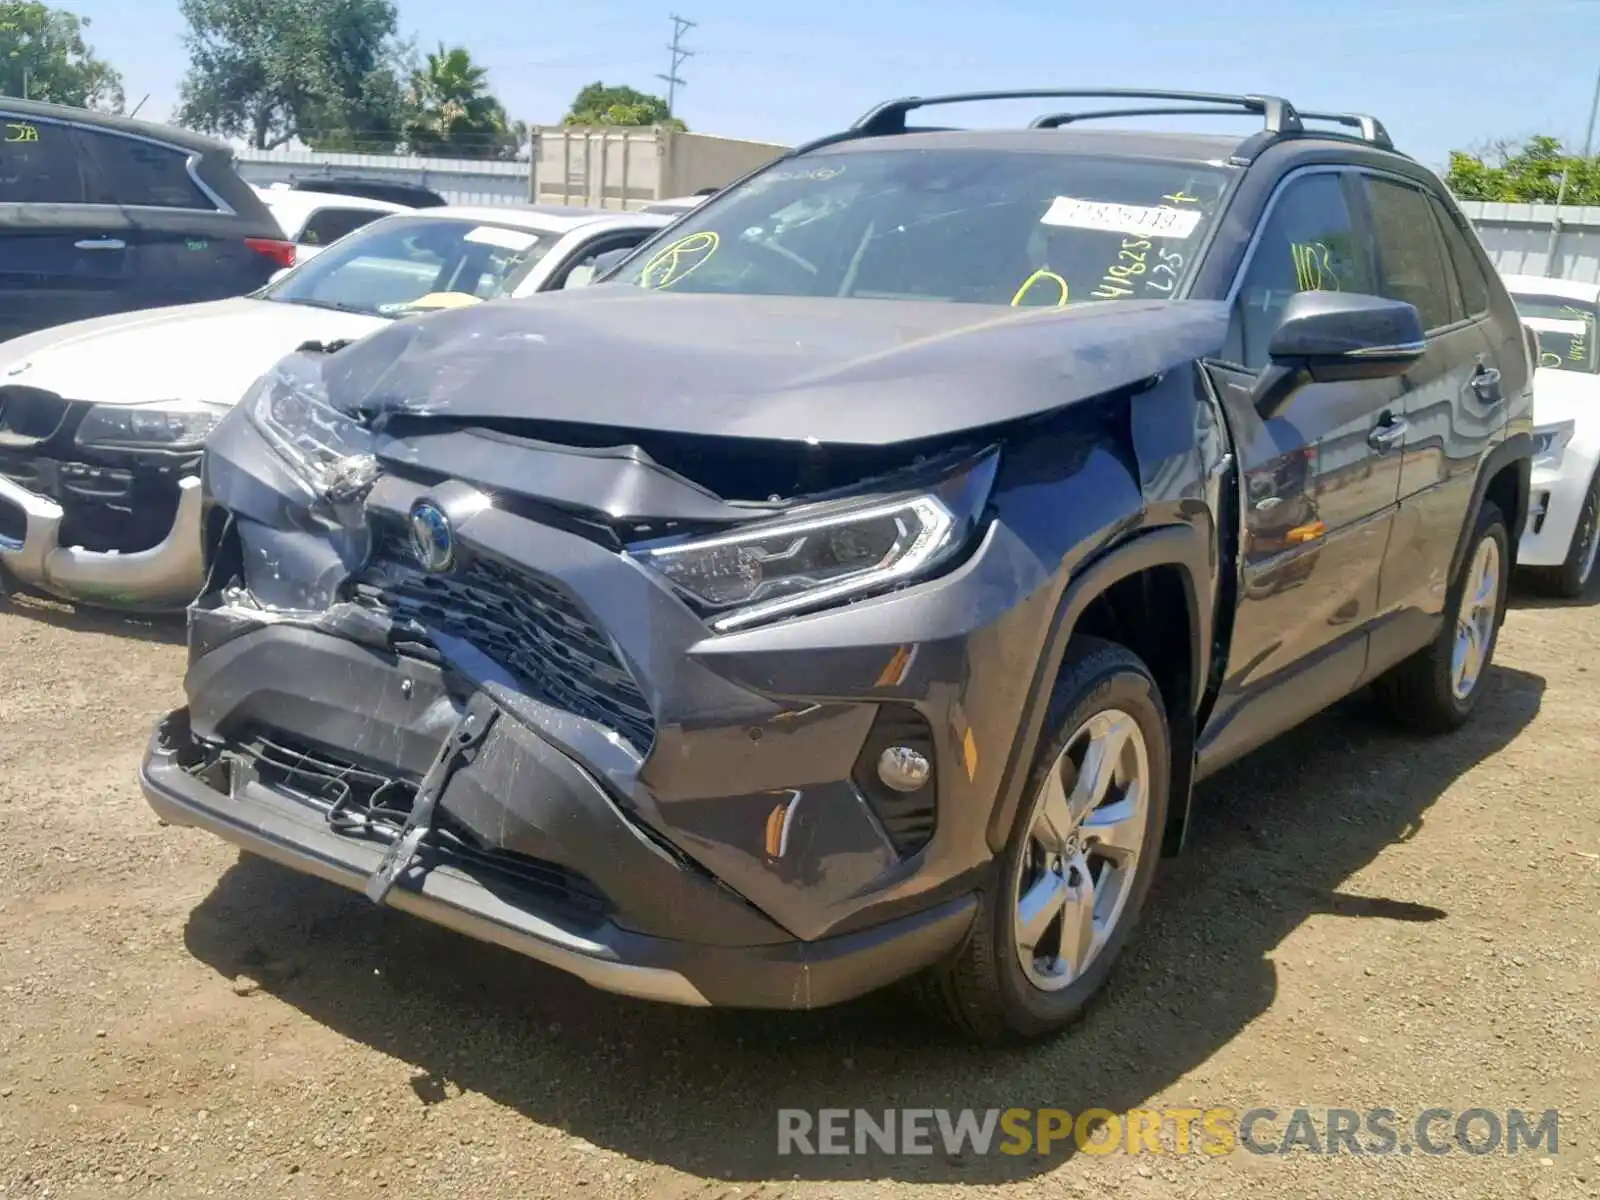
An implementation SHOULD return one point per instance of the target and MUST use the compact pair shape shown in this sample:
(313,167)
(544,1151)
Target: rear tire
(1085,840)
(1571,578)
(1436,689)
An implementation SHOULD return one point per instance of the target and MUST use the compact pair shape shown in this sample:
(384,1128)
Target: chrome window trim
(1294,176)
(190,160)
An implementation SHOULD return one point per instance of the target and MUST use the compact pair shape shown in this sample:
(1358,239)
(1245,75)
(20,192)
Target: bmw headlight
(824,553)
(1550,442)
(327,448)
(167,425)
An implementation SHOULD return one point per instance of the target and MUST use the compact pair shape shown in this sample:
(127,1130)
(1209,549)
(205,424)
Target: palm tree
(453,114)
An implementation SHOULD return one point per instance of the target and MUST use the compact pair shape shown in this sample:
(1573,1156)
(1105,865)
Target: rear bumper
(168,575)
(781,973)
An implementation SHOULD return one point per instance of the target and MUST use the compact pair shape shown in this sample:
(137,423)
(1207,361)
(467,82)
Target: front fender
(1186,547)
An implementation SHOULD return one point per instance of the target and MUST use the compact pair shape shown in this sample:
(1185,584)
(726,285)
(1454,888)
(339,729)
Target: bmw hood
(863,372)
(211,352)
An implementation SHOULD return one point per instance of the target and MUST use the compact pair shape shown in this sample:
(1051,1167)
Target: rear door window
(1411,258)
(140,174)
(328,225)
(39,163)
(1469,273)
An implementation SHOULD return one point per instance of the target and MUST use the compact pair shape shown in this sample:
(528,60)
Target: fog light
(904,769)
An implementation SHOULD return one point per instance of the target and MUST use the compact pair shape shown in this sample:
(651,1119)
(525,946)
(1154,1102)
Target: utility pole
(679,54)
(1561,191)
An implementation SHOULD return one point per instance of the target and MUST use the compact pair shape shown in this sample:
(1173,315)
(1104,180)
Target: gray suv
(854,583)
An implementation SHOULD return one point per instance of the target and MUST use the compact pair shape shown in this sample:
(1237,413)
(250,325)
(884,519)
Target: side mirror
(579,276)
(1335,336)
(609,259)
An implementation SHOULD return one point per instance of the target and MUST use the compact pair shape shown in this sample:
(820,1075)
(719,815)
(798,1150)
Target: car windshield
(405,264)
(1566,344)
(973,226)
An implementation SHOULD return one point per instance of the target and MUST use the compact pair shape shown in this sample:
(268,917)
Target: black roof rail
(1370,128)
(889,117)
(1056,120)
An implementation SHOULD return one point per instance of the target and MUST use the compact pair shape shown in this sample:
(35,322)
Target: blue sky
(1441,75)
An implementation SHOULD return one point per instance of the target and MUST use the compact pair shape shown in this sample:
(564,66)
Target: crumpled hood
(212,351)
(1566,396)
(866,372)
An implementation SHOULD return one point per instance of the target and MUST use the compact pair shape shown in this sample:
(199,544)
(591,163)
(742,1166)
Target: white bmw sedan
(102,422)
(1561,541)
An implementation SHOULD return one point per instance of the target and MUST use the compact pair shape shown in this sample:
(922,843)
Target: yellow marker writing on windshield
(680,259)
(21,131)
(1042,275)
(1313,267)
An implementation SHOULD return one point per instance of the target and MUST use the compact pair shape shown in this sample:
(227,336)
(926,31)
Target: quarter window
(1309,243)
(139,174)
(38,163)
(1411,257)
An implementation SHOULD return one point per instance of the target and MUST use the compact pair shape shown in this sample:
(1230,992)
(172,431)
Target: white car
(102,422)
(315,220)
(1561,540)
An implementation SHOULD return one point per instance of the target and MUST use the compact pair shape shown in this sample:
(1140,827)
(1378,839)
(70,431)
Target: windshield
(406,264)
(968,225)
(1566,344)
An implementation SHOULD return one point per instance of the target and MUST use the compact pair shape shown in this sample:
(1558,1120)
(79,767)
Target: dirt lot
(1362,921)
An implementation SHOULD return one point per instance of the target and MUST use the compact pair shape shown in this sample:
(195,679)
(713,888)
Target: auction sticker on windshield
(506,239)
(1122,218)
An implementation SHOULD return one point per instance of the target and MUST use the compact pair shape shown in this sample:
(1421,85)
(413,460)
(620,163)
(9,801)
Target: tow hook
(455,752)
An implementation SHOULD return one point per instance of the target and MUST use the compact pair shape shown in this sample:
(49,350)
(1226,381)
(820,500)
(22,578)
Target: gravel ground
(1362,921)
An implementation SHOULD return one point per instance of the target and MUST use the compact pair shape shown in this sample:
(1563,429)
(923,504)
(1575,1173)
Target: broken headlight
(326,447)
(824,553)
(165,425)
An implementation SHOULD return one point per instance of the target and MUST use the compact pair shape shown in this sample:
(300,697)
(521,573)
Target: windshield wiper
(330,305)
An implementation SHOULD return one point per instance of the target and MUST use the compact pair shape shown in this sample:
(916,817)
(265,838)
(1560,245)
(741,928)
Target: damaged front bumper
(34,551)
(531,851)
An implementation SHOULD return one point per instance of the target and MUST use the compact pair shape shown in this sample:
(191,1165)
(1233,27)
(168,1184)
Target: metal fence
(1518,238)
(458,180)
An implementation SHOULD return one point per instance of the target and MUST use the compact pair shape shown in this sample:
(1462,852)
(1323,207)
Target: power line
(679,55)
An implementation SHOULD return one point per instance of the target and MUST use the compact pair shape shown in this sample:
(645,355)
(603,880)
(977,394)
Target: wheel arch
(1162,577)
(1505,478)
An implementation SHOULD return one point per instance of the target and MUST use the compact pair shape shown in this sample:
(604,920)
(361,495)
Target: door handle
(1486,382)
(101,244)
(1387,435)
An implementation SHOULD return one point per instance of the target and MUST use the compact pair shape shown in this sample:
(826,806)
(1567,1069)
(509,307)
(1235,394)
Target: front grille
(30,416)
(361,802)
(526,624)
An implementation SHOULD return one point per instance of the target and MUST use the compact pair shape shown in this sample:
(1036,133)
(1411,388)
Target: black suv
(102,214)
(854,584)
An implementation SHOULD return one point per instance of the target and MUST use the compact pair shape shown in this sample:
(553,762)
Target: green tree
(451,113)
(1525,173)
(603,104)
(324,71)
(43,56)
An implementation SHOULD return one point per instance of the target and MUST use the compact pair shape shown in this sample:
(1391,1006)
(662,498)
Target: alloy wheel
(1475,622)
(1087,832)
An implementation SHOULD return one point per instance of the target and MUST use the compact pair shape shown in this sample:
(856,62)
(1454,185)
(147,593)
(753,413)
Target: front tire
(1437,688)
(1080,859)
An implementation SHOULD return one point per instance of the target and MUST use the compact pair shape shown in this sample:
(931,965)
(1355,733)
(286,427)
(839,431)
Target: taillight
(280,252)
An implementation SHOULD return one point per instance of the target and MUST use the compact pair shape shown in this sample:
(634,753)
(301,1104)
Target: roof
(1543,285)
(1128,143)
(540,218)
(288,200)
(186,139)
